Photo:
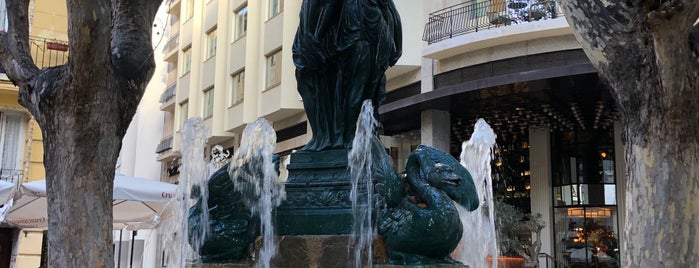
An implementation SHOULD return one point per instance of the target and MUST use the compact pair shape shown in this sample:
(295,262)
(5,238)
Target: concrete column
(435,129)
(426,75)
(254,62)
(620,176)
(540,181)
(195,90)
(222,78)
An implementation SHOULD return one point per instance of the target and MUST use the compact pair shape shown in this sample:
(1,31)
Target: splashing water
(193,175)
(360,165)
(253,174)
(479,225)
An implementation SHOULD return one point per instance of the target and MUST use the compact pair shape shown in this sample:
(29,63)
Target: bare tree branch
(14,45)
(132,50)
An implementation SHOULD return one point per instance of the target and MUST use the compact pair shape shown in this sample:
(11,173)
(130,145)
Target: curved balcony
(472,26)
(473,17)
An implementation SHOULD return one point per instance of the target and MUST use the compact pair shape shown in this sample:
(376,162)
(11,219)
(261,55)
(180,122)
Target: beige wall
(49,19)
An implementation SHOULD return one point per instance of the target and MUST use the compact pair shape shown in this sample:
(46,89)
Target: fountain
(360,166)
(476,156)
(343,204)
(193,181)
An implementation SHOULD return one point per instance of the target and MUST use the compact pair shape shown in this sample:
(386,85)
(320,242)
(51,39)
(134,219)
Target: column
(620,176)
(435,129)
(541,191)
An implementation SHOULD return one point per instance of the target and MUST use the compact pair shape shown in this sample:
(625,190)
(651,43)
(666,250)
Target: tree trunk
(646,52)
(84,109)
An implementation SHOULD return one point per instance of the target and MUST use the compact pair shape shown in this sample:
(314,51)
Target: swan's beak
(452,180)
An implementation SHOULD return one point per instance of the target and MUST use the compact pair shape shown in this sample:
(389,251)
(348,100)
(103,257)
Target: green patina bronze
(425,233)
(233,227)
(341,52)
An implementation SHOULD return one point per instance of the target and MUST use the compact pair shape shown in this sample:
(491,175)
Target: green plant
(514,230)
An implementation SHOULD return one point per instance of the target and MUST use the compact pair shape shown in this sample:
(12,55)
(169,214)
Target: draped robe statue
(341,52)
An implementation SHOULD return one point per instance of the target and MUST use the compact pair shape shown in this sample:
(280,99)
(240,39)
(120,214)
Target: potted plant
(515,230)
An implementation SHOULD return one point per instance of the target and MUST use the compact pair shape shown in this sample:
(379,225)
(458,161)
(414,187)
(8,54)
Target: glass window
(587,236)
(11,146)
(274,69)
(188,9)
(3,16)
(184,113)
(210,44)
(511,171)
(208,102)
(275,7)
(237,88)
(186,65)
(241,22)
(583,156)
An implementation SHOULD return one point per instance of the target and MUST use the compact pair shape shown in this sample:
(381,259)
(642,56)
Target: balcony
(170,48)
(174,7)
(48,52)
(11,175)
(167,99)
(473,17)
(164,145)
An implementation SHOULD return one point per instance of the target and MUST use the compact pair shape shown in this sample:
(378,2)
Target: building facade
(22,142)
(514,63)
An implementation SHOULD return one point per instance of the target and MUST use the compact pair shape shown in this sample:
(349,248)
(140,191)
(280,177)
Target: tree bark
(84,109)
(647,52)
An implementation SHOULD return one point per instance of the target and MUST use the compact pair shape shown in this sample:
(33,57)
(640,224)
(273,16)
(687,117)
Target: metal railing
(164,145)
(553,261)
(48,52)
(168,95)
(11,175)
(171,44)
(474,15)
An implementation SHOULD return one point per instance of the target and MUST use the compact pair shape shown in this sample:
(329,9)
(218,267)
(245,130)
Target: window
(274,69)
(210,44)
(184,113)
(3,16)
(241,22)
(12,144)
(237,88)
(186,61)
(275,7)
(188,9)
(208,102)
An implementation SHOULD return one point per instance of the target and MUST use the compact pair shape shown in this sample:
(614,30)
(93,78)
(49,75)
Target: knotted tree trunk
(84,108)
(646,50)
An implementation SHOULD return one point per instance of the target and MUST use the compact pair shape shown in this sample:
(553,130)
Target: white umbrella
(7,191)
(137,203)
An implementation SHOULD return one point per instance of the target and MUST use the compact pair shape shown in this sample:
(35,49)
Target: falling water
(360,163)
(193,175)
(476,156)
(253,174)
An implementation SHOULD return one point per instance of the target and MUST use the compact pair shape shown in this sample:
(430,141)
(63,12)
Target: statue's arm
(394,20)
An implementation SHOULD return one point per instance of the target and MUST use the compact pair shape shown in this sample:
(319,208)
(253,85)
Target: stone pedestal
(317,195)
(320,251)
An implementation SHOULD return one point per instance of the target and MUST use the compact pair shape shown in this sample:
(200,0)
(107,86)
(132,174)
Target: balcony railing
(168,95)
(47,52)
(164,145)
(474,16)
(172,43)
(11,175)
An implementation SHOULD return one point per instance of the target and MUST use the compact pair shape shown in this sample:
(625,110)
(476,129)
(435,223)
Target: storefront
(557,145)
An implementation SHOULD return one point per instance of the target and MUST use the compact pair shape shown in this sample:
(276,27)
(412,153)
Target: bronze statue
(341,52)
